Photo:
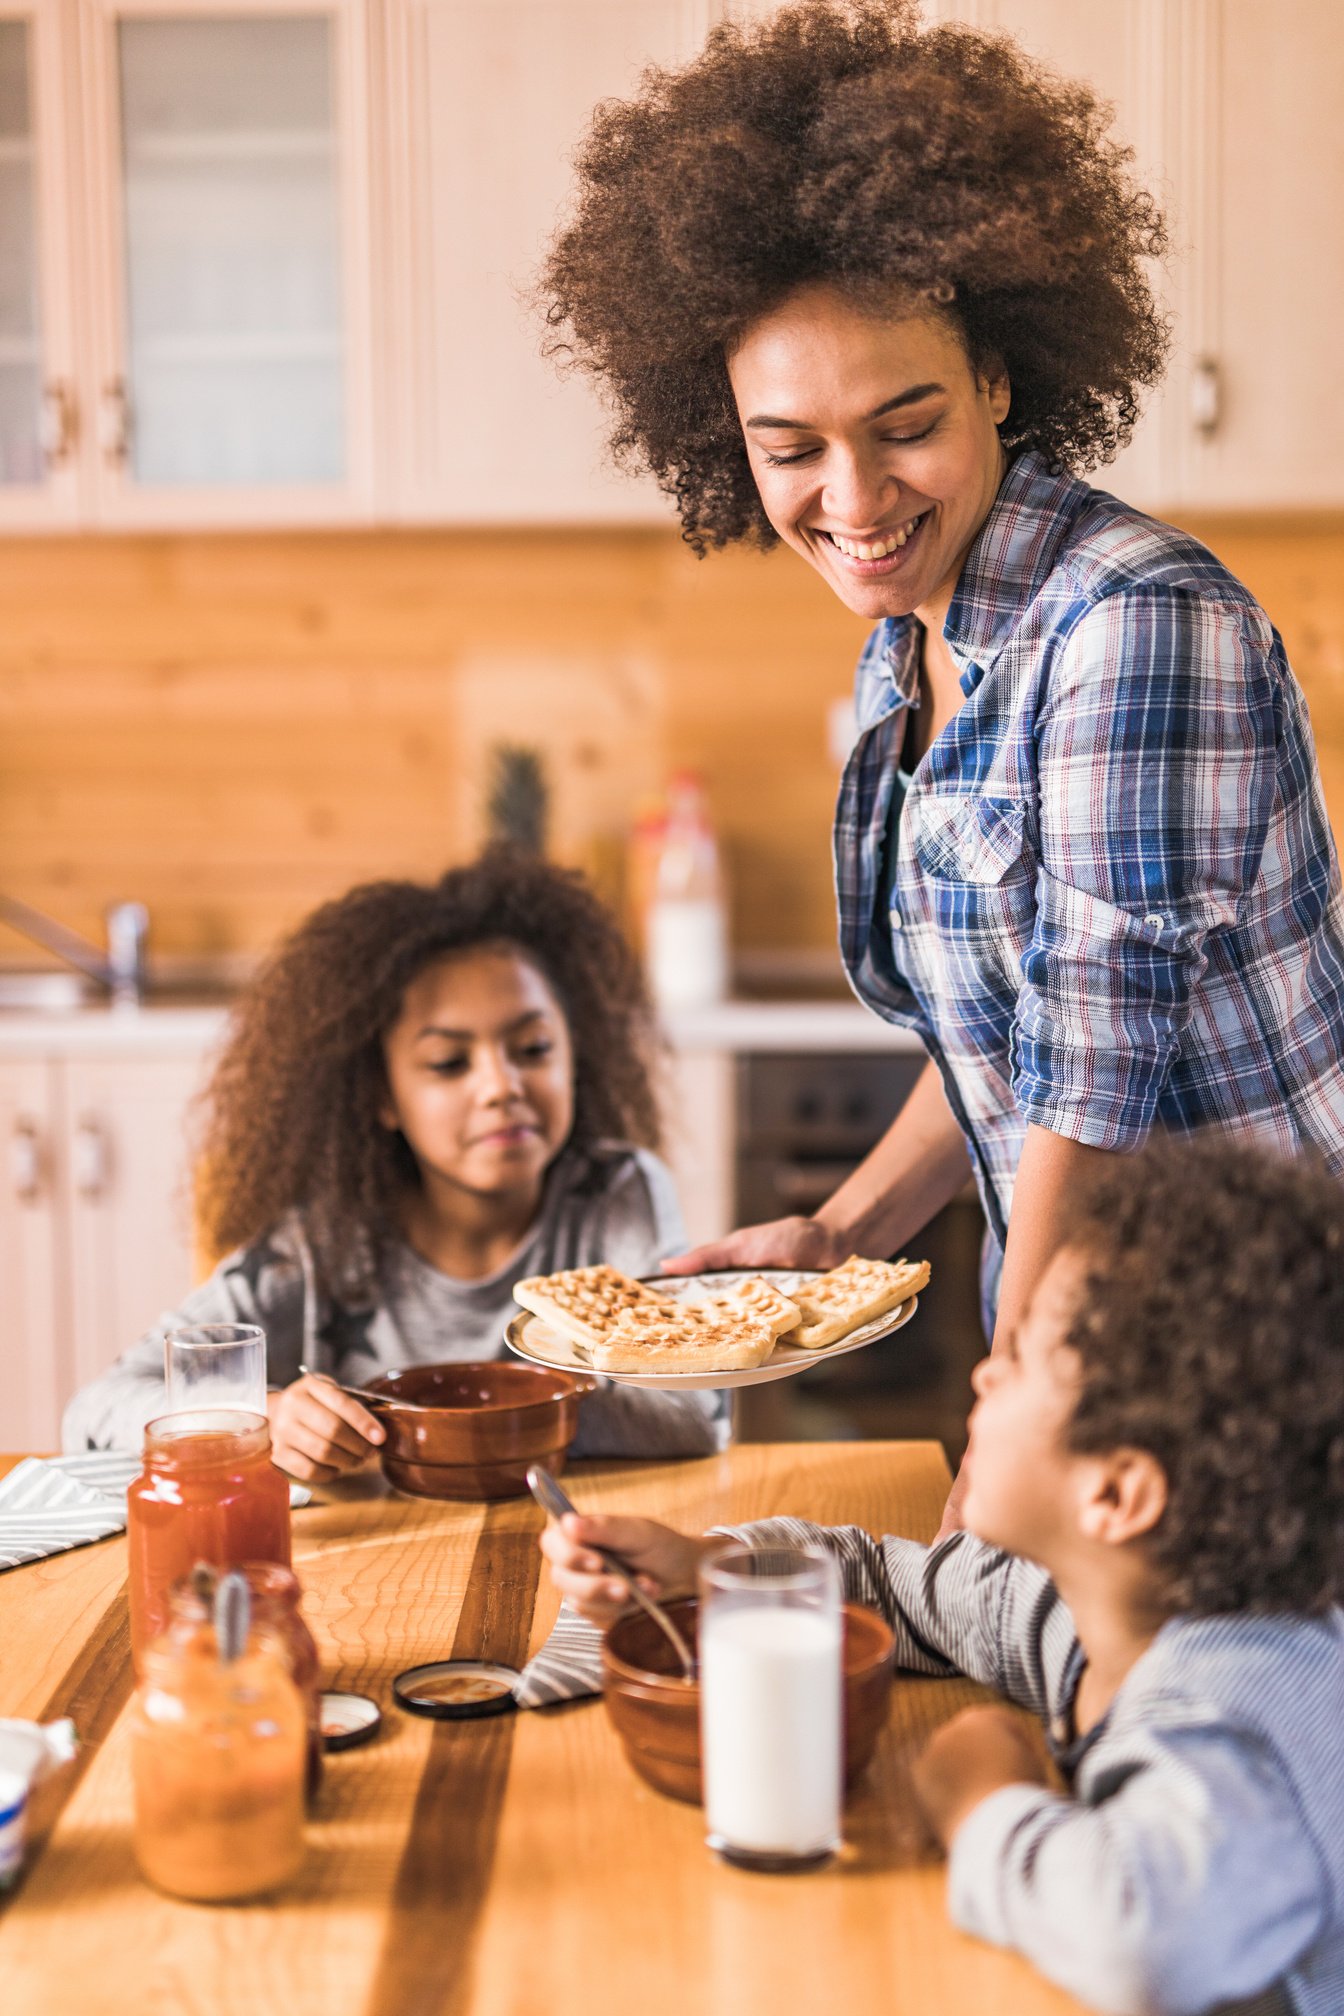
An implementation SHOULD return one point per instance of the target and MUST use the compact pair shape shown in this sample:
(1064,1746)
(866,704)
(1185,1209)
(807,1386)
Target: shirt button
(895,920)
(1154,921)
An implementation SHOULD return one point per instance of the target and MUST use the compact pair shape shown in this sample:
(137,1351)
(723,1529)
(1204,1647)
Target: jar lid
(347,1720)
(454,1690)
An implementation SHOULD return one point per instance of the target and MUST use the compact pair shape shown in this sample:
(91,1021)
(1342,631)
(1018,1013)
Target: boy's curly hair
(841,142)
(293,1105)
(1212,1335)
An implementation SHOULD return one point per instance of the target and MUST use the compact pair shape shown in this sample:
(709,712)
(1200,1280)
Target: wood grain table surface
(511,1867)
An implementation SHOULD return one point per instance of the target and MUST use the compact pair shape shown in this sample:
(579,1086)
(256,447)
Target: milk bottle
(771,1706)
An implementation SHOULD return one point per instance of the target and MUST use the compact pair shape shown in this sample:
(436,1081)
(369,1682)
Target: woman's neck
(464,1234)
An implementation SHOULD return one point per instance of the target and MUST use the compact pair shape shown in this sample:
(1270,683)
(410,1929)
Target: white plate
(532,1339)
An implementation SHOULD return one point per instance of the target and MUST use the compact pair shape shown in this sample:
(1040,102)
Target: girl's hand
(976,1753)
(784,1242)
(666,1561)
(317,1432)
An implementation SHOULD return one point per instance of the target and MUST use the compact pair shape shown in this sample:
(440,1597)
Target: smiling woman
(876,290)
(431,1091)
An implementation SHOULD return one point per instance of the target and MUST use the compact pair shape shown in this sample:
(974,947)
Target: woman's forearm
(1044,1196)
(919,1165)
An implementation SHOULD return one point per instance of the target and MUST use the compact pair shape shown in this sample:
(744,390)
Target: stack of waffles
(616,1324)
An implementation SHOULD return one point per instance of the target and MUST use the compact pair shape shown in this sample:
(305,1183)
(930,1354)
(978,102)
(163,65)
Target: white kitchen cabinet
(1235,111)
(95,1220)
(185,184)
(1236,115)
(35,1356)
(482,108)
(1258,167)
(226,207)
(39,479)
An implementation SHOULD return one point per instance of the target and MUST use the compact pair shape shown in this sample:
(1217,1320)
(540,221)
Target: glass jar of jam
(208,1492)
(218,1759)
(277,1617)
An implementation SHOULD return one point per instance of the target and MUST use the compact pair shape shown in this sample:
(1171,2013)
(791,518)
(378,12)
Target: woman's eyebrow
(910,398)
(470,1035)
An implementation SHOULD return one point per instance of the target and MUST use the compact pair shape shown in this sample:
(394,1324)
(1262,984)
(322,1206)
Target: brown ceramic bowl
(657,1714)
(471,1430)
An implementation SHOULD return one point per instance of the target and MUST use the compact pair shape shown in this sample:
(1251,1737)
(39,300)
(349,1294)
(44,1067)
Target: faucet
(122,969)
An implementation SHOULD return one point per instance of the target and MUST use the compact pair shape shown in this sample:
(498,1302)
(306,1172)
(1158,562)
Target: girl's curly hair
(1211,1331)
(293,1105)
(841,142)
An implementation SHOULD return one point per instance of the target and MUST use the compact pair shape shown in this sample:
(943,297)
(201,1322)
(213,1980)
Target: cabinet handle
(114,422)
(25,1162)
(1206,396)
(58,429)
(89,1160)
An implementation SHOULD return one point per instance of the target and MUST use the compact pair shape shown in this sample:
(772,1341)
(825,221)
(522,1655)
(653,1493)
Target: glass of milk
(772,1705)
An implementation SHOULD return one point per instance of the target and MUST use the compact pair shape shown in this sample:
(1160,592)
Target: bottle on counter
(208,1492)
(277,1618)
(687,934)
(219,1745)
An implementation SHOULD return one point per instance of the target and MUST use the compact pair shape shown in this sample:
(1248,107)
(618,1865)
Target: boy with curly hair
(1153,1565)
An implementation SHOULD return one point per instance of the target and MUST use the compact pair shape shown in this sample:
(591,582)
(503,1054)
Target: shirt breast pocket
(971,839)
(979,877)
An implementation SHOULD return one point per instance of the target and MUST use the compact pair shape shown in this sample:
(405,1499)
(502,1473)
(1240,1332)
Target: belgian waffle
(690,1339)
(753,1301)
(851,1294)
(584,1303)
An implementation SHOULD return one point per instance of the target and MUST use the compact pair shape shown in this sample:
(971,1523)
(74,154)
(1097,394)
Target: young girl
(429,1093)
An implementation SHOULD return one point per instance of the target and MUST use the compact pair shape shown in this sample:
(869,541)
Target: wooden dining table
(509,1867)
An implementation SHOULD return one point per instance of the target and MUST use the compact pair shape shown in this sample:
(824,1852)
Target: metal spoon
(555,1503)
(362,1393)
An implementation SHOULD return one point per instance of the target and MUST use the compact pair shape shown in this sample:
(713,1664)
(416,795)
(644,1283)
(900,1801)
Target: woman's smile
(876,555)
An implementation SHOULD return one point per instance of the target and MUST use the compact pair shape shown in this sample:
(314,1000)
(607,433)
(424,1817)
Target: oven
(803,1121)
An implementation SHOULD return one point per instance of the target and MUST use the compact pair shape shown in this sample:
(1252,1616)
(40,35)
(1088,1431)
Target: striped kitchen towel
(568,1666)
(51,1503)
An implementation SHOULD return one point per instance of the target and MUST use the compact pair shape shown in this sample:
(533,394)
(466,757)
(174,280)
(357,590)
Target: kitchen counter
(121,1030)
(730,1027)
(787,1025)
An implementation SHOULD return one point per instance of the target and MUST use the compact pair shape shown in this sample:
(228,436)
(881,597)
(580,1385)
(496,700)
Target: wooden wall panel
(233,728)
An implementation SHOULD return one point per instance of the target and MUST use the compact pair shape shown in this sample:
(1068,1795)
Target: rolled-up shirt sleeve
(1156,752)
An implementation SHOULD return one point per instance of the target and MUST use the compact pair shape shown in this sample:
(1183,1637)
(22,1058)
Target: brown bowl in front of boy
(656,1713)
(471,1430)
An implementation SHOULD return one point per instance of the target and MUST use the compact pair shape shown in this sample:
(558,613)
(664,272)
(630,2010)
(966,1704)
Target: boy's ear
(1125,1497)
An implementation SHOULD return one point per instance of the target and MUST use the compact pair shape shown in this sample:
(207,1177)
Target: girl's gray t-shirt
(612,1203)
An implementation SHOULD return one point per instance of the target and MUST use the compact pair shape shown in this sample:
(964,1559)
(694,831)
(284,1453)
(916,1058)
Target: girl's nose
(982,1377)
(497,1074)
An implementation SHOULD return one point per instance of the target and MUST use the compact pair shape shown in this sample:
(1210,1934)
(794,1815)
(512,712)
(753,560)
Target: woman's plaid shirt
(1114,903)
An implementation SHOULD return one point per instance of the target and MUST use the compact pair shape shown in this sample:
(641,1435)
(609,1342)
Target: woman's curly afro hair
(840,142)
(293,1106)
(1211,1331)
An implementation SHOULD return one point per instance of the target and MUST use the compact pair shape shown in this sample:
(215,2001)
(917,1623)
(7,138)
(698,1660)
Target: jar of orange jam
(208,1492)
(277,1615)
(218,1757)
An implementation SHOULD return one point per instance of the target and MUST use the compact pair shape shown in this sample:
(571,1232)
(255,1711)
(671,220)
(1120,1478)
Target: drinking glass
(772,1705)
(214,1365)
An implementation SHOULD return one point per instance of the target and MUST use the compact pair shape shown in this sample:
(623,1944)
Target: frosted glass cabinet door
(232,258)
(38,417)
